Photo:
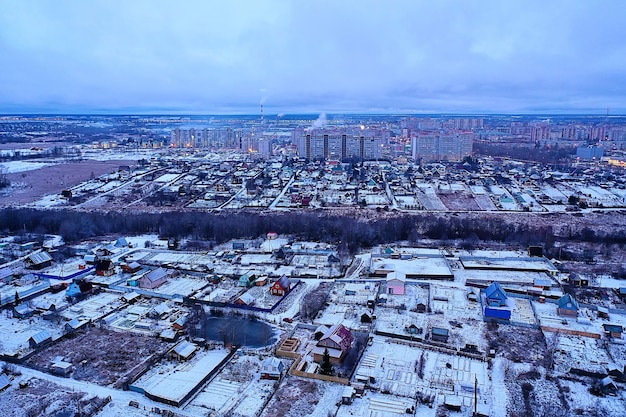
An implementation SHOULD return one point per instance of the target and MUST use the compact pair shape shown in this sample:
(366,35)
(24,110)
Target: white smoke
(319,122)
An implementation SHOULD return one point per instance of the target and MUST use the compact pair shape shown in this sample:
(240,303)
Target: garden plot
(393,321)
(253,398)
(94,307)
(218,396)
(555,194)
(353,293)
(334,314)
(522,311)
(16,332)
(584,324)
(402,370)
(407,202)
(183,286)
(504,198)
(223,295)
(453,302)
(43,398)
(577,352)
(457,200)
(427,195)
(582,402)
(297,397)
(377,405)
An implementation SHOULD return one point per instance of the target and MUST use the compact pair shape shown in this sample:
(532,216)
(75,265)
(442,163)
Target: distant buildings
(340,144)
(429,146)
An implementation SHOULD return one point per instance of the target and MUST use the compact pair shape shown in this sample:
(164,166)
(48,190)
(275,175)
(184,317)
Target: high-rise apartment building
(365,144)
(436,146)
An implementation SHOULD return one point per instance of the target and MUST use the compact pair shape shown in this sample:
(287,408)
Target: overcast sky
(223,56)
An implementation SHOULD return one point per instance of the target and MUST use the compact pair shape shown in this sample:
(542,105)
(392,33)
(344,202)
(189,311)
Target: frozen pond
(239,331)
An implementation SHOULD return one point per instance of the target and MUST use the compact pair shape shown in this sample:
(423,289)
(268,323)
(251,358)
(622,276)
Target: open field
(30,186)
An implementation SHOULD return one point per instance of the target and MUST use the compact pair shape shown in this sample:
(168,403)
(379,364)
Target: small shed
(495,295)
(603,312)
(245,299)
(497,313)
(5,382)
(272,368)
(613,330)
(75,324)
(39,339)
(348,395)
(439,334)
(180,323)
(567,306)
(281,286)
(61,368)
(22,311)
(184,350)
(168,335)
(131,268)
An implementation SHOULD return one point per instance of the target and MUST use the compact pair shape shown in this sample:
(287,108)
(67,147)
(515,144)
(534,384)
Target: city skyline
(372,57)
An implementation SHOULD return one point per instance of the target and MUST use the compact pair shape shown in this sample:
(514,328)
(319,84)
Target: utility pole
(475,395)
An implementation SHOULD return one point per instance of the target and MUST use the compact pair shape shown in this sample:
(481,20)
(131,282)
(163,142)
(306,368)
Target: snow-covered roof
(40,257)
(41,337)
(185,349)
(4,381)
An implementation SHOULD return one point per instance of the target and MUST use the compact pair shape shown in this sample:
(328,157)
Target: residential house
(495,296)
(395,283)
(39,339)
(338,340)
(154,278)
(281,286)
(121,243)
(245,281)
(105,267)
(272,368)
(38,260)
(79,288)
(567,306)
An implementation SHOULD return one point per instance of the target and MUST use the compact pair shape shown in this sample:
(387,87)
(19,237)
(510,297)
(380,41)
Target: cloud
(312,55)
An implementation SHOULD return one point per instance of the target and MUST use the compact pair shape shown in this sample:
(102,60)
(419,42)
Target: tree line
(352,231)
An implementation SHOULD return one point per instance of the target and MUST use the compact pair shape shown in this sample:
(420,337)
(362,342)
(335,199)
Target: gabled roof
(185,349)
(247,298)
(40,257)
(494,289)
(156,274)
(283,282)
(567,301)
(272,363)
(121,242)
(41,337)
